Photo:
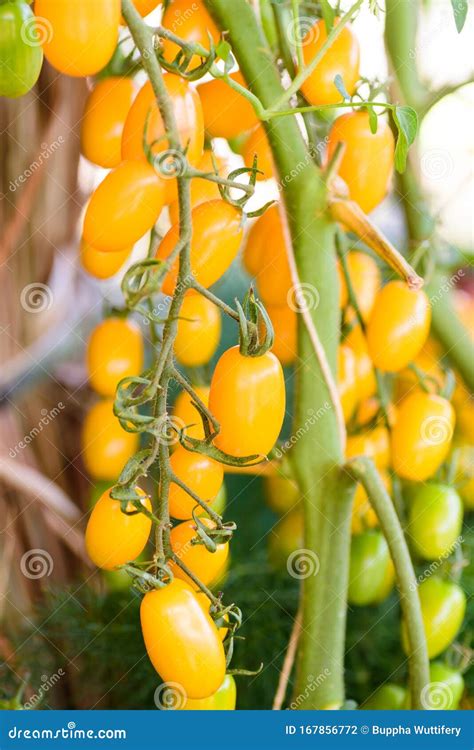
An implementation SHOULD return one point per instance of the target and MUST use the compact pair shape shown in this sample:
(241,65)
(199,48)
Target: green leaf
(406,120)
(328,13)
(460,13)
(339,84)
(373,120)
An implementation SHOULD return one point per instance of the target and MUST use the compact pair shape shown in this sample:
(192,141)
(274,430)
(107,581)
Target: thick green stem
(364,471)
(318,431)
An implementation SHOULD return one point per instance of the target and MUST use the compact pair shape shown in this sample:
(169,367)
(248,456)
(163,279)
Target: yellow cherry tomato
(181,640)
(366,381)
(103,121)
(189,20)
(199,330)
(253,249)
(463,402)
(257,145)
(347,384)
(201,474)
(342,58)
(145,115)
(285,329)
(265,257)
(398,326)
(186,416)
(372,443)
(281,493)
(102,265)
(217,234)
(366,280)
(114,538)
(367,164)
(106,447)
(124,207)
(421,435)
(80,35)
(407,380)
(114,351)
(223,700)
(202,190)
(207,566)
(248,400)
(227,113)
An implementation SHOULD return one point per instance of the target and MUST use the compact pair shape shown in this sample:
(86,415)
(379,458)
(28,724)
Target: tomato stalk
(318,451)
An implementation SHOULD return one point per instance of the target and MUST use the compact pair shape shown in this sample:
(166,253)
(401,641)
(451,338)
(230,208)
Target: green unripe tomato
(21,54)
(369,561)
(444,690)
(435,520)
(388,697)
(443,605)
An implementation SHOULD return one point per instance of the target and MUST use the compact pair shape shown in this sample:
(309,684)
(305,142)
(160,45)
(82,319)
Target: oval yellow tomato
(248,400)
(181,640)
(102,265)
(257,145)
(372,443)
(186,416)
(114,351)
(367,164)
(365,279)
(81,35)
(199,330)
(217,234)
(366,381)
(342,58)
(124,207)
(265,257)
(103,121)
(207,566)
(114,538)
(189,20)
(347,384)
(201,474)
(285,329)
(421,435)
(227,113)
(106,447)
(398,326)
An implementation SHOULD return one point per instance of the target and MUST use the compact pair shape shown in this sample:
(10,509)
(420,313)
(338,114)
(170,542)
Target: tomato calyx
(252,317)
(180,64)
(210,537)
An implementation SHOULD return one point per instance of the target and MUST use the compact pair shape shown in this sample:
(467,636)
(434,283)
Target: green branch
(363,470)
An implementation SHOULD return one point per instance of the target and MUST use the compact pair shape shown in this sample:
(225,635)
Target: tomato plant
(104,118)
(114,351)
(21,56)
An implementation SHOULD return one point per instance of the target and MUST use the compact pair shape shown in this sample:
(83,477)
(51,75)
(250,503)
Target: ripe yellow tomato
(367,163)
(207,566)
(199,330)
(102,265)
(189,20)
(265,257)
(398,326)
(464,457)
(144,7)
(217,234)
(253,249)
(347,383)
(285,329)
(144,114)
(104,118)
(227,113)
(407,380)
(81,35)
(372,443)
(257,145)
(342,58)
(223,700)
(421,435)
(366,280)
(248,400)
(124,207)
(201,474)
(106,447)
(114,538)
(281,493)
(202,190)
(185,415)
(463,402)
(181,640)
(366,382)
(114,351)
